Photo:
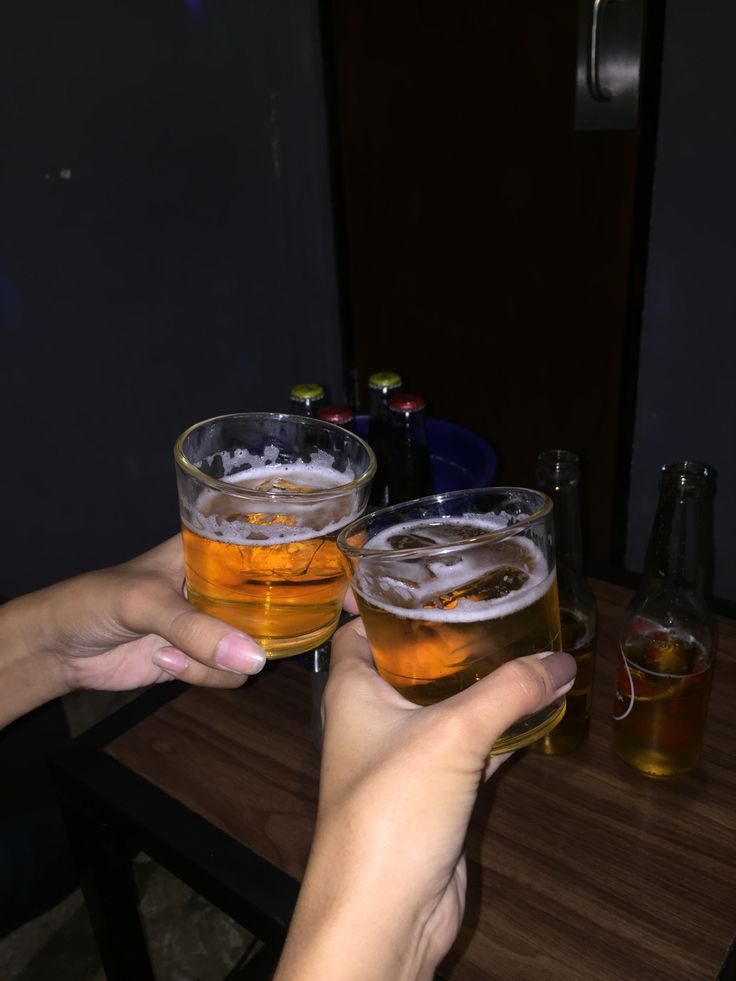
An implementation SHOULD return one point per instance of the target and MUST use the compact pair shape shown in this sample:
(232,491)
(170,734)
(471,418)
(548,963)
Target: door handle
(610,36)
(597,90)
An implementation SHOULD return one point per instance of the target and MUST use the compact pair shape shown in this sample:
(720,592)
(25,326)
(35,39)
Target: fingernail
(240,654)
(561,668)
(170,659)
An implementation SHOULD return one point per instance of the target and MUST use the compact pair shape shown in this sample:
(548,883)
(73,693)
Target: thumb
(202,644)
(516,689)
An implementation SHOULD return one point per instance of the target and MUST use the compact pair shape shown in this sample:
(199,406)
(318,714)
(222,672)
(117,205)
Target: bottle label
(624,699)
(659,717)
(672,694)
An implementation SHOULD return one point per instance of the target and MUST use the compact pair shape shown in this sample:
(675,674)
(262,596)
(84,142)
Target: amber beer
(661,702)
(259,542)
(444,604)
(579,640)
(258,572)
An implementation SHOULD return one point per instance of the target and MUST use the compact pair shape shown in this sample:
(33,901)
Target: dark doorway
(491,245)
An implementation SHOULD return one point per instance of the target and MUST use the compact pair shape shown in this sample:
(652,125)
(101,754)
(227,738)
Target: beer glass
(452,586)
(262,497)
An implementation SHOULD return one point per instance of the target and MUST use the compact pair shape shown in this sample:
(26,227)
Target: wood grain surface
(580,869)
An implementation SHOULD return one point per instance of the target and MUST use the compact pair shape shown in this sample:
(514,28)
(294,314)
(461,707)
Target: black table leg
(108,882)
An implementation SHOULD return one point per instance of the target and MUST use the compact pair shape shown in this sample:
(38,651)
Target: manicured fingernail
(561,668)
(170,659)
(240,654)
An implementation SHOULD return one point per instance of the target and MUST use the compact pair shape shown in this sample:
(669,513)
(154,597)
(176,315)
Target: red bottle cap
(341,415)
(406,402)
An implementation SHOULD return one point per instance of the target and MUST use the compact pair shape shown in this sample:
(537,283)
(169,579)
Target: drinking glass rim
(488,538)
(317,494)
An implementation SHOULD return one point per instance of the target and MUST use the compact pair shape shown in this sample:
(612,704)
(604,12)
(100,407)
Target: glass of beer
(262,497)
(452,586)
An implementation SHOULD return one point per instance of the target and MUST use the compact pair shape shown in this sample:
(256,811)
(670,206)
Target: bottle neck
(306,406)
(677,550)
(410,467)
(379,402)
(411,424)
(568,528)
(558,475)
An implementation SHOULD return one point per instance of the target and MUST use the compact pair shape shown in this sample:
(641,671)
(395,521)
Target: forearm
(29,673)
(358,930)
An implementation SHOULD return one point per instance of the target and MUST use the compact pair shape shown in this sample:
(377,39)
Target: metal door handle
(610,35)
(597,90)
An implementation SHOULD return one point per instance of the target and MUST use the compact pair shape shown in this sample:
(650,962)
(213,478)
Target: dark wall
(686,401)
(166,254)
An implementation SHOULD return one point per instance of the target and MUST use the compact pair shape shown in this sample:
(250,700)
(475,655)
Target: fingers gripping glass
(452,586)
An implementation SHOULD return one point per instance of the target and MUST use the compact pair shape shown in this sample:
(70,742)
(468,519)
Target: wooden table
(580,869)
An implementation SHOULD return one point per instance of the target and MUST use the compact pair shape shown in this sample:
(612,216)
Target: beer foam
(240,465)
(467,611)
(316,475)
(417,582)
(441,529)
(222,518)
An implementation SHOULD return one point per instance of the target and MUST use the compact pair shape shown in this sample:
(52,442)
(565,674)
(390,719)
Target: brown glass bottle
(381,385)
(558,475)
(410,464)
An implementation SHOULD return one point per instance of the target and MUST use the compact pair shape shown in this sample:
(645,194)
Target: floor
(189,940)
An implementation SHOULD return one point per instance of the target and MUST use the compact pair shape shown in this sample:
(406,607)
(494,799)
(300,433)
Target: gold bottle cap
(384,379)
(306,393)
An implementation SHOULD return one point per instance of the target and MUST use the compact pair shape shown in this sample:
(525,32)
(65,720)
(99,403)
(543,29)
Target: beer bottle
(306,399)
(410,465)
(381,384)
(558,475)
(668,636)
(340,415)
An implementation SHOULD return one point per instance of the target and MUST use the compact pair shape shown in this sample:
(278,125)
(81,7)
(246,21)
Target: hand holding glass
(452,586)
(262,497)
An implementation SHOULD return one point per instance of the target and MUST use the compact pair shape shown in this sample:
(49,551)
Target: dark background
(686,397)
(203,202)
(166,255)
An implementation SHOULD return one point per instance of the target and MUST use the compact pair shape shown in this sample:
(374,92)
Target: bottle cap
(406,402)
(341,415)
(305,393)
(384,379)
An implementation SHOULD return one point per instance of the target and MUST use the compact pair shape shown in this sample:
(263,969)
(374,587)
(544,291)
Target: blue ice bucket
(460,457)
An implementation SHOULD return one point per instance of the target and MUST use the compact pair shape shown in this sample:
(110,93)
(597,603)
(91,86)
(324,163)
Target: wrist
(30,674)
(347,944)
